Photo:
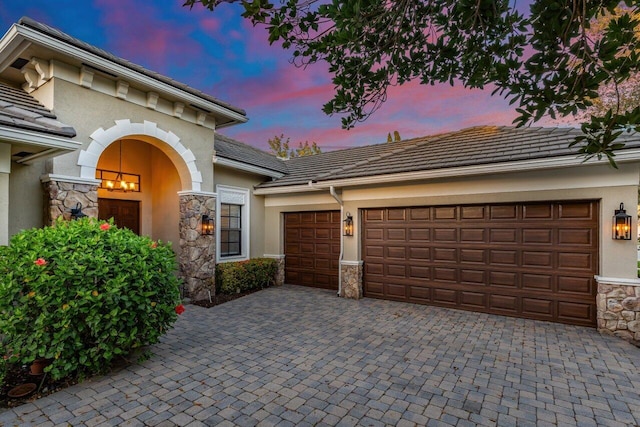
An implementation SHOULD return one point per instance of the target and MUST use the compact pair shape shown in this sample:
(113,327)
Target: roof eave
(19,37)
(50,145)
(246,167)
(490,168)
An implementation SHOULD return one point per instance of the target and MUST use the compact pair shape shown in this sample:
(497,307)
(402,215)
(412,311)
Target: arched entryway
(149,205)
(171,201)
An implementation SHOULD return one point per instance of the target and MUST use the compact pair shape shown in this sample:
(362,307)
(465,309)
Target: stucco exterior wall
(5,170)
(88,110)
(234,178)
(166,212)
(26,208)
(610,186)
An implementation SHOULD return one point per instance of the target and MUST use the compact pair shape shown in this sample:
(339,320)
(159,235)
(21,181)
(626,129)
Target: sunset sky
(221,54)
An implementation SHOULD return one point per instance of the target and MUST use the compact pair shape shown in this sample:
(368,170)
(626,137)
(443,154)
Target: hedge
(242,276)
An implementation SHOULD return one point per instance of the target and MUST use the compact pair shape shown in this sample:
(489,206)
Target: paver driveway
(298,356)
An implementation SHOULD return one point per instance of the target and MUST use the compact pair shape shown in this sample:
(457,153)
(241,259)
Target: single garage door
(531,260)
(312,248)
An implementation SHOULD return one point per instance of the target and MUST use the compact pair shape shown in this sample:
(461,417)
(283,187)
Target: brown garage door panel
(312,248)
(533,260)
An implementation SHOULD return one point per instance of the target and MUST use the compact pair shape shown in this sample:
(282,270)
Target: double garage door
(527,260)
(531,260)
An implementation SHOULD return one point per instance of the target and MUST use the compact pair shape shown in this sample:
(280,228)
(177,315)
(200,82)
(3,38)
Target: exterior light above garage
(621,224)
(207,225)
(348,225)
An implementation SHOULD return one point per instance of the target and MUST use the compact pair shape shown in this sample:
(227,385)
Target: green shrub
(81,293)
(241,276)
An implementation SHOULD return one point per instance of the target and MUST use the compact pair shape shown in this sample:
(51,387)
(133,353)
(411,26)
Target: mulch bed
(221,299)
(19,375)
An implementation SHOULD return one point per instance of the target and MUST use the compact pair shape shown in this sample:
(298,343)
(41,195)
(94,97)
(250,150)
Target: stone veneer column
(62,193)
(351,272)
(197,251)
(618,306)
(280,274)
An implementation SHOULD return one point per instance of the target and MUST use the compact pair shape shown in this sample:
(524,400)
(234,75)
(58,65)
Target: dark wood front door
(532,260)
(125,213)
(312,248)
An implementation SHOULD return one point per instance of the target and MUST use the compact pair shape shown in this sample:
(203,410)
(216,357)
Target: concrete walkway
(296,356)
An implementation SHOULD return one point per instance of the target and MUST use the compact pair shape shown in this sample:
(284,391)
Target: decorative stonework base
(60,197)
(280,273)
(619,310)
(197,251)
(351,272)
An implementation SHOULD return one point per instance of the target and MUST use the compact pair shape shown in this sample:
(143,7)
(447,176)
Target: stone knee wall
(60,197)
(619,311)
(351,273)
(280,274)
(197,259)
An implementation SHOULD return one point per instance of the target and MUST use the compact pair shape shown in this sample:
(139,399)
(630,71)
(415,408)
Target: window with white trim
(230,230)
(232,225)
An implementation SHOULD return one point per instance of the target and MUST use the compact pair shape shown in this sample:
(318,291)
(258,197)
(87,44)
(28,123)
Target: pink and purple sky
(222,54)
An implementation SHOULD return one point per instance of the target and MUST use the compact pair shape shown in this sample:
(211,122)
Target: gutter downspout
(333,193)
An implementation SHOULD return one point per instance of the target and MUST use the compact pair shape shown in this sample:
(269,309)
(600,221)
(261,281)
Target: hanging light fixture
(118,180)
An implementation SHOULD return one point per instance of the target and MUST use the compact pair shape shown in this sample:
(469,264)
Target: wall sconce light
(621,224)
(76,213)
(207,225)
(348,225)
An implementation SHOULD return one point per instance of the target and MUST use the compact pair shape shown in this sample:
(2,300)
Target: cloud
(413,110)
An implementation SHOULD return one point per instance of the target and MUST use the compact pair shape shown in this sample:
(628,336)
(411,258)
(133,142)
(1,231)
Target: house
(491,219)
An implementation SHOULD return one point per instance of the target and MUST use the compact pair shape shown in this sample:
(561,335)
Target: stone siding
(619,311)
(280,274)
(60,197)
(351,280)
(197,259)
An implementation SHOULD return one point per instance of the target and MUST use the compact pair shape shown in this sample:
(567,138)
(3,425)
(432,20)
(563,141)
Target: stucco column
(351,274)
(197,251)
(63,193)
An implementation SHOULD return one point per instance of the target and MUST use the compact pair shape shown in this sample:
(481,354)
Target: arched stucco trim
(168,142)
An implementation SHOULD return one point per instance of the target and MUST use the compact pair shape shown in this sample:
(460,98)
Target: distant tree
(306,149)
(279,146)
(396,136)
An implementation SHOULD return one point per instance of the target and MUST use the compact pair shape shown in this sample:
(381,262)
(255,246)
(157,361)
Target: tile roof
(57,34)
(235,150)
(18,109)
(480,145)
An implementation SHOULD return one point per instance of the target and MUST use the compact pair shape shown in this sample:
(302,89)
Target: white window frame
(234,196)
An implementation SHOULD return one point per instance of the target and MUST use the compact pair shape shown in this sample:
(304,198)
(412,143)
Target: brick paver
(298,356)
